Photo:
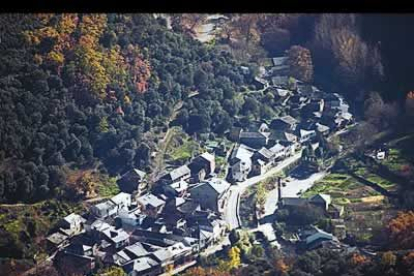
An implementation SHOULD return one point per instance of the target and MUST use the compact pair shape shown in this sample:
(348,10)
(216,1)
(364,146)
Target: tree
(257,251)
(388,259)
(300,63)
(250,106)
(357,259)
(401,230)
(234,257)
(276,41)
(281,267)
(111,271)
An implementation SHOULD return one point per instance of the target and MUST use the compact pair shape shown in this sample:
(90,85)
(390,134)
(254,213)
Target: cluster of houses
(311,113)
(147,233)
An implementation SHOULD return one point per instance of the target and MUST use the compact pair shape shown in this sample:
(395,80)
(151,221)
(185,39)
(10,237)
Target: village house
(320,200)
(286,123)
(262,161)
(132,181)
(76,259)
(104,209)
(143,266)
(129,253)
(211,194)
(336,211)
(180,173)
(282,149)
(316,239)
(235,133)
(240,163)
(72,224)
(112,206)
(322,129)
(253,139)
(56,240)
(305,135)
(277,136)
(176,189)
(122,201)
(284,82)
(202,166)
(116,237)
(150,205)
(280,66)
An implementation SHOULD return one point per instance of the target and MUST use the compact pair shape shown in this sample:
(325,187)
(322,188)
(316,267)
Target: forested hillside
(89,91)
(76,89)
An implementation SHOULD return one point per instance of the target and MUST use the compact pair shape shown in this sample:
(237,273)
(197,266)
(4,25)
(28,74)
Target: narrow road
(231,214)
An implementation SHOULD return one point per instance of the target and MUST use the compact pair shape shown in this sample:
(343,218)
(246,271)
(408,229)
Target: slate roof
(283,136)
(179,186)
(288,119)
(140,173)
(137,249)
(57,238)
(277,148)
(74,218)
(321,198)
(121,198)
(278,61)
(150,199)
(304,132)
(189,207)
(281,81)
(106,205)
(116,235)
(251,135)
(320,234)
(162,255)
(321,127)
(218,185)
(294,201)
(140,265)
(265,153)
(179,172)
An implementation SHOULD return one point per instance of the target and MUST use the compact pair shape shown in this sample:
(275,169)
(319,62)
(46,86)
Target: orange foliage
(357,259)
(408,259)
(281,266)
(139,68)
(401,230)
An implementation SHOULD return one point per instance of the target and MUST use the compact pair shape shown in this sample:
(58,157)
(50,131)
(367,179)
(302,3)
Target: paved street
(232,209)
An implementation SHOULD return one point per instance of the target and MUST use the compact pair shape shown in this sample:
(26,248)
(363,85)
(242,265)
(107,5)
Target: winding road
(231,214)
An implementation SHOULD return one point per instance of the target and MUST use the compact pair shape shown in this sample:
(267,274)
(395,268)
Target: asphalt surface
(231,213)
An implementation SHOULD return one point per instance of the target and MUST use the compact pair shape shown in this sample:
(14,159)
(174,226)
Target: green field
(107,187)
(343,188)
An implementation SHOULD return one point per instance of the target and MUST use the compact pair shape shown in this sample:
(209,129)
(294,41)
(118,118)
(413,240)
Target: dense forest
(80,88)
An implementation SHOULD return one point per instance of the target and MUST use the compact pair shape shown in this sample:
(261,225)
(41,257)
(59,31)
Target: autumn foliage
(300,63)
(357,259)
(401,230)
(72,42)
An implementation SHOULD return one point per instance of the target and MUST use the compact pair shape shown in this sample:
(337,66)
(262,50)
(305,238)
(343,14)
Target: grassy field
(182,148)
(107,187)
